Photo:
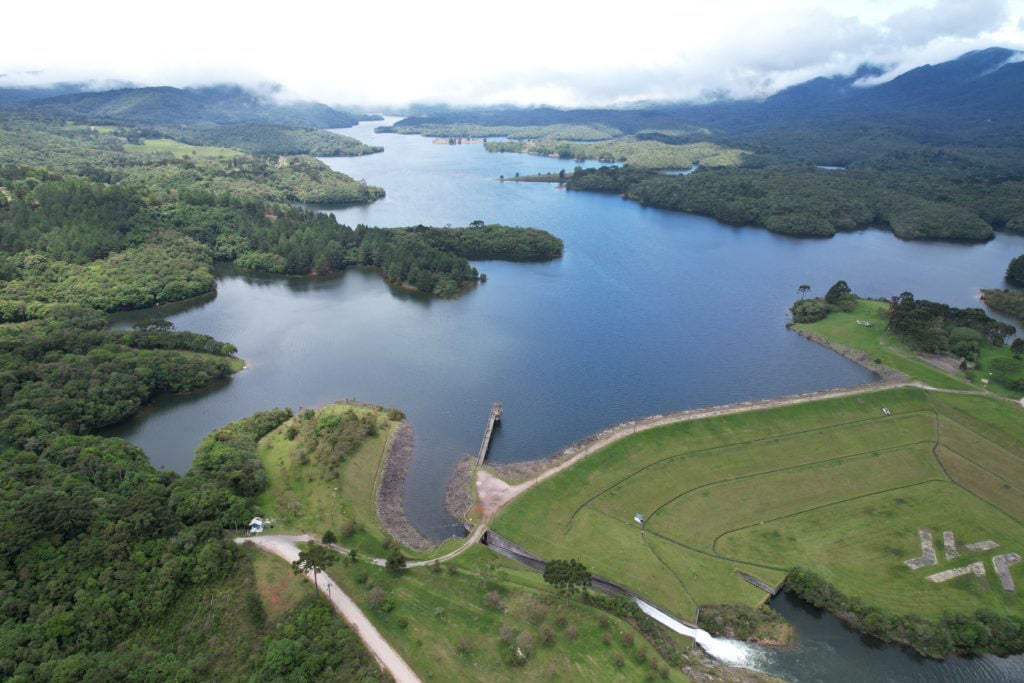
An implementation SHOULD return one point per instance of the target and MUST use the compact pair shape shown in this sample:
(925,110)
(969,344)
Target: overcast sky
(564,52)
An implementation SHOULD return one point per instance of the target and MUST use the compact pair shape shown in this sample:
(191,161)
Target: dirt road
(287,549)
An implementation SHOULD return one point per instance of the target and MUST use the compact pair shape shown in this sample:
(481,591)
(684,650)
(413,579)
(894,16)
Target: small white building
(256,525)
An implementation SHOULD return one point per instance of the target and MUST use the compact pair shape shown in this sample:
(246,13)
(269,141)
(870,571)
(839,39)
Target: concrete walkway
(286,548)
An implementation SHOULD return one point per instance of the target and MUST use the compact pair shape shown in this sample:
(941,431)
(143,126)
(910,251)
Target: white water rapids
(730,651)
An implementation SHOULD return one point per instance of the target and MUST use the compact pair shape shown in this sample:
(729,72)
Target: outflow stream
(731,652)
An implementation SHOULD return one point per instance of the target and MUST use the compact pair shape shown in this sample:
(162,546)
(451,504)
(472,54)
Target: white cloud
(534,51)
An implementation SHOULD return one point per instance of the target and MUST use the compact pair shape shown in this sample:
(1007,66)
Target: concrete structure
(927,551)
(492,419)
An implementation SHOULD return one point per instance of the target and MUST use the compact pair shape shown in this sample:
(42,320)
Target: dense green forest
(99,154)
(808,201)
(1008,301)
(935,327)
(152,240)
(261,138)
(105,563)
(1015,271)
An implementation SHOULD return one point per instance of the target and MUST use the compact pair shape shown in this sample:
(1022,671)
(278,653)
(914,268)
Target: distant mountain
(978,95)
(223,104)
(16,97)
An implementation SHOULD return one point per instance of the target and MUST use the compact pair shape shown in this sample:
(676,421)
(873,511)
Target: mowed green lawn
(831,485)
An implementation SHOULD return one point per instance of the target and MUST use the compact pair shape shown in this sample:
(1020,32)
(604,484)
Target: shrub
(493,600)
(395,562)
(809,311)
(329,537)
(380,600)
(618,660)
(547,636)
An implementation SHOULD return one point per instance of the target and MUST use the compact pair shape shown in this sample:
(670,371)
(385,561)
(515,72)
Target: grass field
(301,499)
(831,485)
(842,328)
(443,625)
(164,146)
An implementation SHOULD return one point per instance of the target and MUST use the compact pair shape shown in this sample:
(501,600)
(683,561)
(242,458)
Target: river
(649,311)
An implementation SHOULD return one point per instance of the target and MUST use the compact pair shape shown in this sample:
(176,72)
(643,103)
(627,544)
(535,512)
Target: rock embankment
(459,494)
(391,490)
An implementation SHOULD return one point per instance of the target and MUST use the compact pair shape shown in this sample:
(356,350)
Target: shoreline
(389,498)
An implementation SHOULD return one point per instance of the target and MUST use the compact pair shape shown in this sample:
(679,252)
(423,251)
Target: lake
(649,311)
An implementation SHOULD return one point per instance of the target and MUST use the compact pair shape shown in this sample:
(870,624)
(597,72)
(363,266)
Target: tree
(316,558)
(329,537)
(1017,348)
(838,292)
(803,289)
(395,562)
(567,576)
(1015,271)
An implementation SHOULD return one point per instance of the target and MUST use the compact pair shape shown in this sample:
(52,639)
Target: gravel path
(287,549)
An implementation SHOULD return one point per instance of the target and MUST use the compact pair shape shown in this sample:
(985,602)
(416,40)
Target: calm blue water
(649,311)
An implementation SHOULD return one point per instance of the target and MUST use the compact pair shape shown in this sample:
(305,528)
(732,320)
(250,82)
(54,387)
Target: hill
(222,104)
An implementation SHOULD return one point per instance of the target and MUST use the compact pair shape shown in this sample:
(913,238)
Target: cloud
(567,53)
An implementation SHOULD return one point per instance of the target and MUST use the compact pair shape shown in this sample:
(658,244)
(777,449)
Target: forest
(99,154)
(104,560)
(1008,301)
(263,138)
(804,200)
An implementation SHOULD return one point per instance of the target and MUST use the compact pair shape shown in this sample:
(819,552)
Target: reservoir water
(649,311)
